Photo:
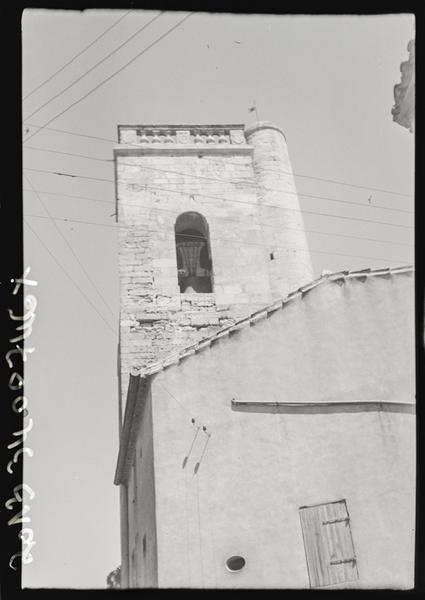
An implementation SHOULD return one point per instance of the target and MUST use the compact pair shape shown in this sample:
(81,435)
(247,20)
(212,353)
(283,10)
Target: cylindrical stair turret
(281,217)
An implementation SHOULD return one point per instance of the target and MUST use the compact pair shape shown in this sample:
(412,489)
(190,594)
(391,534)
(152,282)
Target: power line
(297,250)
(222,198)
(198,464)
(110,226)
(173,397)
(138,55)
(83,135)
(336,181)
(65,89)
(108,160)
(114,141)
(68,175)
(293,193)
(71,249)
(228,181)
(160,188)
(189,452)
(69,277)
(76,55)
(199,526)
(68,196)
(228,240)
(354,237)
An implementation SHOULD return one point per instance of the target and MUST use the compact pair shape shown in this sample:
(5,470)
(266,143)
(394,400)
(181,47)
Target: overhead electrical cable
(69,220)
(74,254)
(268,189)
(147,187)
(107,160)
(101,61)
(138,55)
(343,235)
(161,385)
(228,240)
(68,196)
(76,55)
(337,182)
(227,181)
(69,276)
(68,175)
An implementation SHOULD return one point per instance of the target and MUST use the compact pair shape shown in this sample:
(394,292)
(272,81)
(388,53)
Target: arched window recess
(194,265)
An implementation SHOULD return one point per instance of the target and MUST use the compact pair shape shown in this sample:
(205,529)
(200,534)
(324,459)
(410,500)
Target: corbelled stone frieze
(182,134)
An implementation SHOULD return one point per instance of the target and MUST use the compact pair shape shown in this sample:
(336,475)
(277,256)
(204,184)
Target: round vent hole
(235,563)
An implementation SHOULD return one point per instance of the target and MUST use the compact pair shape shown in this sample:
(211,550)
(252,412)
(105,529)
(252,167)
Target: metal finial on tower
(254,108)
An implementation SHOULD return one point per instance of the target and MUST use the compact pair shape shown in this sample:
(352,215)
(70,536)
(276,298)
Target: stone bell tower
(210,230)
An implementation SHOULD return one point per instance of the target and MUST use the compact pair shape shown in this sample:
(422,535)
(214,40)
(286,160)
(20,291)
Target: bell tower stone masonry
(210,230)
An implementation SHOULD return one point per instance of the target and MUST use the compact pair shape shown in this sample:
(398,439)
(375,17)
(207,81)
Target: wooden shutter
(328,544)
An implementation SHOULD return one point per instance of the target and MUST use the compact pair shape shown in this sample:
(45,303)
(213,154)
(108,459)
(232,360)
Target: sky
(327,81)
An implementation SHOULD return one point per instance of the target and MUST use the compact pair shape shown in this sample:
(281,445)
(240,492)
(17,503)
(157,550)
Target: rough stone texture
(340,343)
(163,171)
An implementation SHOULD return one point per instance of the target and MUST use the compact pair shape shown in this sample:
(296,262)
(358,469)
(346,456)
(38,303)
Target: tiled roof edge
(339,276)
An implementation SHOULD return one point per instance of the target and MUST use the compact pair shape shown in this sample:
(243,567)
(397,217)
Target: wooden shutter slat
(330,513)
(314,546)
(328,544)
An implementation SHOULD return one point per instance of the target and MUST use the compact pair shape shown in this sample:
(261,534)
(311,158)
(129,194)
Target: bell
(190,252)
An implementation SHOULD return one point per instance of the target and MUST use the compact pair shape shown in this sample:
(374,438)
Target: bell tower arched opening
(194,264)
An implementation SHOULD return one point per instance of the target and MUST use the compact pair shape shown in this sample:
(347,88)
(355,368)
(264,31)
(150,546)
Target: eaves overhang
(137,387)
(140,379)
